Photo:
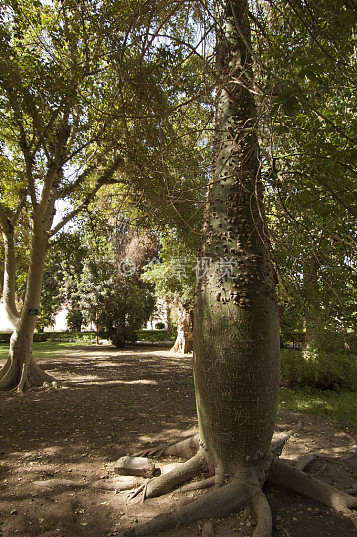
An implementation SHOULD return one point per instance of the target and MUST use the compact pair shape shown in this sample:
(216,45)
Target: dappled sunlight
(98,381)
(59,445)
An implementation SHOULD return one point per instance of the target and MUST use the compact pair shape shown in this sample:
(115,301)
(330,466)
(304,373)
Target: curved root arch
(19,378)
(216,503)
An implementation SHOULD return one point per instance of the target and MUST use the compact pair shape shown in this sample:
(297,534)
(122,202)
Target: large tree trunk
(236,332)
(236,328)
(20,370)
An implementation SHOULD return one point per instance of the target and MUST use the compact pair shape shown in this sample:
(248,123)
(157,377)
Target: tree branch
(105,179)
(9,294)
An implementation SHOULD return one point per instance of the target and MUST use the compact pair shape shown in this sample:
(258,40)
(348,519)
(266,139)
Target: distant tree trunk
(184,338)
(170,327)
(20,369)
(313,313)
(96,327)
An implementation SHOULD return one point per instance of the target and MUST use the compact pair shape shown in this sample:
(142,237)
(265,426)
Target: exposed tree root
(208,529)
(217,503)
(305,461)
(186,449)
(241,490)
(199,485)
(19,378)
(351,454)
(287,476)
(352,491)
(262,510)
(279,440)
(166,482)
(5,369)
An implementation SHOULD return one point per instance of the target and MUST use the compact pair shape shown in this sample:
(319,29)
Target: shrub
(152,335)
(159,326)
(319,370)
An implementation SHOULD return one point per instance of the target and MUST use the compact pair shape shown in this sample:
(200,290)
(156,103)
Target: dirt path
(57,449)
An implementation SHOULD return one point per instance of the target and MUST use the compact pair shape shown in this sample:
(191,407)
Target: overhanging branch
(105,179)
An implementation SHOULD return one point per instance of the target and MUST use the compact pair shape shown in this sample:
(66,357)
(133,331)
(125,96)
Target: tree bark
(236,332)
(184,343)
(236,329)
(20,370)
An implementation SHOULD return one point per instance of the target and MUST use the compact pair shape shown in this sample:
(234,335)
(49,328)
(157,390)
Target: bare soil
(58,447)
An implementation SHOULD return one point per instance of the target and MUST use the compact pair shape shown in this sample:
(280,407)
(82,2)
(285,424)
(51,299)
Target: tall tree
(64,126)
(236,343)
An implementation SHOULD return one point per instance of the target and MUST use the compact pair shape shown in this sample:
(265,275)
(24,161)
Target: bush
(159,326)
(152,335)
(319,370)
(54,336)
(74,320)
(5,337)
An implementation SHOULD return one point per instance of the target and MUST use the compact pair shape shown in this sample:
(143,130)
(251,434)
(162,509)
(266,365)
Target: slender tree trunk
(312,314)
(20,370)
(236,332)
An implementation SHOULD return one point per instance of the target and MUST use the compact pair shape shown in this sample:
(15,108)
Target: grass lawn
(44,348)
(340,405)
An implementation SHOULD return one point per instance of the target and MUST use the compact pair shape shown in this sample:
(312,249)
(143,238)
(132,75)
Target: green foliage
(74,320)
(319,370)
(68,336)
(91,98)
(159,326)
(174,274)
(117,301)
(309,132)
(153,335)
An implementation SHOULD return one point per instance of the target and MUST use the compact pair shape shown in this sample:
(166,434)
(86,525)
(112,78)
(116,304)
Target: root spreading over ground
(244,488)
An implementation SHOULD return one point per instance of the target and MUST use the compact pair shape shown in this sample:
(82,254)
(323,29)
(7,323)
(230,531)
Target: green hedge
(54,336)
(336,370)
(5,337)
(142,335)
(153,335)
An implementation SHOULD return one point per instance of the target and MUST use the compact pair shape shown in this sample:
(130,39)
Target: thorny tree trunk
(236,335)
(184,338)
(236,328)
(20,370)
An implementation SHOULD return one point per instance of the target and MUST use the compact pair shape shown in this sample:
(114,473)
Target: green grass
(44,349)
(340,405)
